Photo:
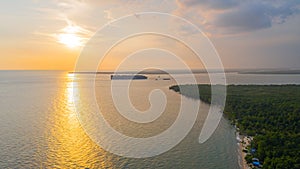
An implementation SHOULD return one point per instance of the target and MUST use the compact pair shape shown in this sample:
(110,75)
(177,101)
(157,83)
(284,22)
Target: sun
(71,36)
(70,40)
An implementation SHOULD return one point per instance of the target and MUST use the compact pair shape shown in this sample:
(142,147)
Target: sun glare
(70,40)
(71,36)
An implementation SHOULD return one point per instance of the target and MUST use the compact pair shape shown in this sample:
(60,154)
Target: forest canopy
(270,113)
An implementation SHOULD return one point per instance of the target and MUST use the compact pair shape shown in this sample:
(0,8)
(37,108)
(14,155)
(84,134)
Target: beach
(243,142)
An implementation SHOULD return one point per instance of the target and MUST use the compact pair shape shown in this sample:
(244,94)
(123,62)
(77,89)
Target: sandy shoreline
(243,142)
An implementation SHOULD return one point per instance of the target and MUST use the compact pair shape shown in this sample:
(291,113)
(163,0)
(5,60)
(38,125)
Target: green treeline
(270,113)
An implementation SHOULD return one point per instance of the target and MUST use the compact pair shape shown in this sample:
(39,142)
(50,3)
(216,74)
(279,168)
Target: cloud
(216,17)
(245,18)
(236,16)
(213,4)
(108,15)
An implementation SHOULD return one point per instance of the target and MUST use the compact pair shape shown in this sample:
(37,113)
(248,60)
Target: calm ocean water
(39,127)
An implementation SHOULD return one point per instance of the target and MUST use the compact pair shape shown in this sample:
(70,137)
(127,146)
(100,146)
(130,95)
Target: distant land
(147,71)
(271,72)
(197,71)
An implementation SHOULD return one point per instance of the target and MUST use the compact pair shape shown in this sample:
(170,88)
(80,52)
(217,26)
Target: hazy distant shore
(198,71)
(284,72)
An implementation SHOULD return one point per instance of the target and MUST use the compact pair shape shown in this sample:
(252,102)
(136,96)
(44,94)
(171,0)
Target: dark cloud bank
(246,15)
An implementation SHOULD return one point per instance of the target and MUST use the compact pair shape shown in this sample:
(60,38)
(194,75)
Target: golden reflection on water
(70,101)
(68,144)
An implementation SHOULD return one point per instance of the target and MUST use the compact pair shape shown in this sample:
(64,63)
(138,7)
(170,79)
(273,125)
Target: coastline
(243,142)
(249,106)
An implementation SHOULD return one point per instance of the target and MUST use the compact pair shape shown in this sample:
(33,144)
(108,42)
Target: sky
(50,35)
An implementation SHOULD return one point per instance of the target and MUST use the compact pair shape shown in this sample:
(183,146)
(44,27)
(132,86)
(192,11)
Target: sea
(40,126)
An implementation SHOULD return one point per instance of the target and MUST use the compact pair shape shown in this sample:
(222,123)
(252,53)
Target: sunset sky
(40,34)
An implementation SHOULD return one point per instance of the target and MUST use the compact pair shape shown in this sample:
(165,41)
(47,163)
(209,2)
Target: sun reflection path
(70,98)
(68,144)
